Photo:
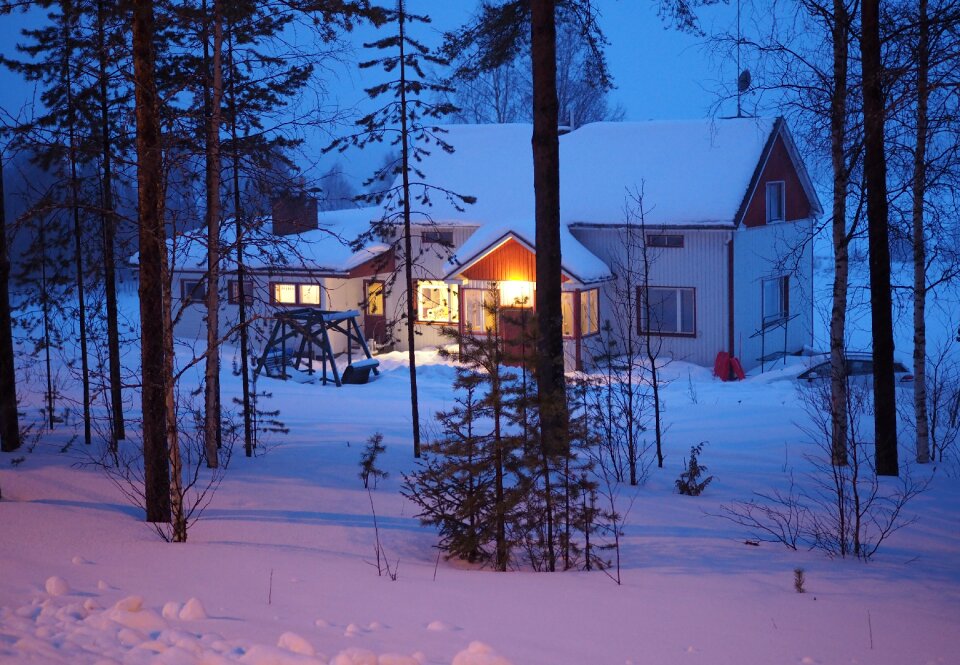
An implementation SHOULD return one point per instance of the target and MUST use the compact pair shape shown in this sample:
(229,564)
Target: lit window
(669,311)
(285,294)
(589,312)
(437,302)
(776,299)
(193,291)
(478,316)
(310,294)
(374,305)
(516,293)
(776,205)
(660,240)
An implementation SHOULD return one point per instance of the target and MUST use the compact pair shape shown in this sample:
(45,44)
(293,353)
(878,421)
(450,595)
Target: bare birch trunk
(838,315)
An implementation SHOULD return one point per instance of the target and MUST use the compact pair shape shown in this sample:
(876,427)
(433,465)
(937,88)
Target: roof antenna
(743,78)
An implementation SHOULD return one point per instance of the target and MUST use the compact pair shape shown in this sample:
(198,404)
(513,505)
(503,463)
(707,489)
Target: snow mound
(79,561)
(264,655)
(478,653)
(439,626)
(355,656)
(397,659)
(171,610)
(193,611)
(352,630)
(129,604)
(296,644)
(56,586)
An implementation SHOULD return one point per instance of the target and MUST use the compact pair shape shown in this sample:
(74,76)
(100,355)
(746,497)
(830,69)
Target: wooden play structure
(309,330)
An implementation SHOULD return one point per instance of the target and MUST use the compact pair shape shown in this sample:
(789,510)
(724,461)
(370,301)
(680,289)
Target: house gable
(777,165)
(509,261)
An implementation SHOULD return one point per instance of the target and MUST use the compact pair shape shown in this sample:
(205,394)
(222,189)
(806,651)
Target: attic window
(440,237)
(662,240)
(776,201)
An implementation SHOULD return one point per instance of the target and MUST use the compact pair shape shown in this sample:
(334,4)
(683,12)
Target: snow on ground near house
(280,570)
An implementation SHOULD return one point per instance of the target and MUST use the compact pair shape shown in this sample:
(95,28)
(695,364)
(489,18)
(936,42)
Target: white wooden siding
(701,264)
(766,252)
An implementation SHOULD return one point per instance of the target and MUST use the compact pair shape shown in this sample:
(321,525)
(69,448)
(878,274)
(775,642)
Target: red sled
(737,369)
(721,366)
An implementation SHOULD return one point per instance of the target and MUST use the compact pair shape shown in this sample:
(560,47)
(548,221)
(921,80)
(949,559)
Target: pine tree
(404,117)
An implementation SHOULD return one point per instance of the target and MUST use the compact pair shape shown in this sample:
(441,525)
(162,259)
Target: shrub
(689,482)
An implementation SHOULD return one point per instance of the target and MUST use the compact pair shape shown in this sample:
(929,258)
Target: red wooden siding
(511,261)
(779,167)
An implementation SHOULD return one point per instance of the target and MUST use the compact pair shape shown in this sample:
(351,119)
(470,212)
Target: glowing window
(438,302)
(310,294)
(516,294)
(285,294)
(478,316)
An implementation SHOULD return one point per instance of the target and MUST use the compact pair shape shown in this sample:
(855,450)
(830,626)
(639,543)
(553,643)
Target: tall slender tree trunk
(68,24)
(875,172)
(551,385)
(153,257)
(212,420)
(248,429)
(9,419)
(841,240)
(45,314)
(109,222)
(407,240)
(919,247)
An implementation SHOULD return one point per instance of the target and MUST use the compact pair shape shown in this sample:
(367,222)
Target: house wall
(761,253)
(701,264)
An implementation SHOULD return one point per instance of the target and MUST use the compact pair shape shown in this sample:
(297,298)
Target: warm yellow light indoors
(516,294)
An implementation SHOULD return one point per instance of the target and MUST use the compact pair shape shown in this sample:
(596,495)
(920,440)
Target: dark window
(661,240)
(776,299)
(776,202)
(670,310)
(441,237)
(233,292)
(193,291)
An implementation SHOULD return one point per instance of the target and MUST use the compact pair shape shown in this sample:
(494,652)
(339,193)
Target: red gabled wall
(779,166)
(511,261)
(386,262)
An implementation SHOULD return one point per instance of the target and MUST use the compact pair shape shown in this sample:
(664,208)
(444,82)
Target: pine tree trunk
(212,419)
(551,385)
(9,419)
(407,241)
(919,248)
(154,367)
(248,428)
(838,315)
(875,172)
(68,23)
(108,215)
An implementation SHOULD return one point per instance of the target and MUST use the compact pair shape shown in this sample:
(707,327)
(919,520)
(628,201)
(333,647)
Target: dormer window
(776,202)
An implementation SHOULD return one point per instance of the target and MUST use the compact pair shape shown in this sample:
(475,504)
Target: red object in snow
(737,369)
(721,366)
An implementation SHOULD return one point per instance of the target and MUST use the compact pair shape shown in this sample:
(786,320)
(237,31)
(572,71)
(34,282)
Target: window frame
(783,291)
(780,185)
(578,326)
(437,237)
(676,238)
(453,303)
(186,292)
(641,309)
(233,292)
(464,310)
(297,297)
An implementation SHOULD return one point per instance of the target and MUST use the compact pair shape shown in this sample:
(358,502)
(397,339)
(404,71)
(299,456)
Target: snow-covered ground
(279,570)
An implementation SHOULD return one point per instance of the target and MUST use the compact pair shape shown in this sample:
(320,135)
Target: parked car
(859,370)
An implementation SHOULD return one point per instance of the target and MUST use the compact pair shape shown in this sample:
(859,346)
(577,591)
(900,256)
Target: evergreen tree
(9,419)
(403,118)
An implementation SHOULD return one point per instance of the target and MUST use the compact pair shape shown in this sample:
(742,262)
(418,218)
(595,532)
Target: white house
(727,217)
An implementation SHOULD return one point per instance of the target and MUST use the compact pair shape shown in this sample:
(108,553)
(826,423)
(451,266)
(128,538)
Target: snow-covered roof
(690,172)
(326,249)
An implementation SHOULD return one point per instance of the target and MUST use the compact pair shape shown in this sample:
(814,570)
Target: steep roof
(689,173)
